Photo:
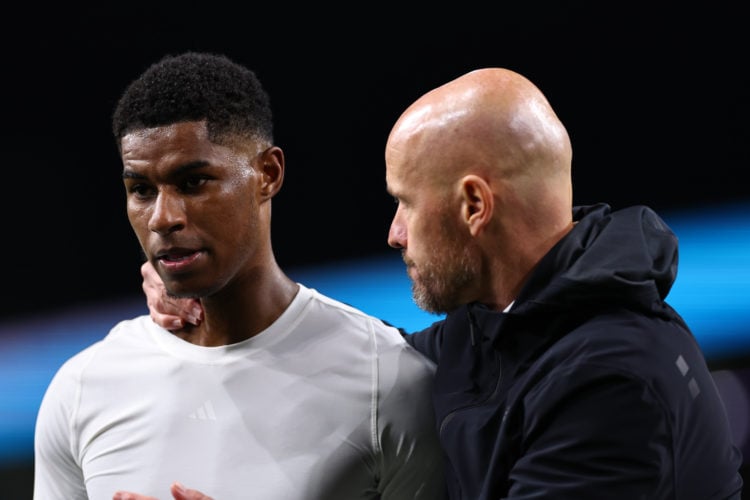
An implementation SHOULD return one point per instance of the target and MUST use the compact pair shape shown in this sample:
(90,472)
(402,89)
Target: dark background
(655,100)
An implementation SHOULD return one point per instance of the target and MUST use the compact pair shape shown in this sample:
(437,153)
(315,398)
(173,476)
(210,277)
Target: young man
(280,392)
(562,372)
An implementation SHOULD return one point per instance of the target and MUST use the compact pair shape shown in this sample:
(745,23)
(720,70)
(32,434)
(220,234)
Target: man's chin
(181,292)
(425,301)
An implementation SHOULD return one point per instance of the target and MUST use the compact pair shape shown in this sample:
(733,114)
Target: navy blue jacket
(591,386)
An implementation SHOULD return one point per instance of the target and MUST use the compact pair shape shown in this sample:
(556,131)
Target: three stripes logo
(204,412)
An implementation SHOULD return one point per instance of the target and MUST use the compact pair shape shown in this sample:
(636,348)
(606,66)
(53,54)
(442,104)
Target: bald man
(562,372)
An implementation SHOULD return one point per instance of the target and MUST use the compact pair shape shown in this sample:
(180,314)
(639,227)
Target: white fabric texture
(327,403)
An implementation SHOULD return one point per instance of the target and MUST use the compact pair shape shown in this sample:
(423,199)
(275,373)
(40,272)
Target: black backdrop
(655,99)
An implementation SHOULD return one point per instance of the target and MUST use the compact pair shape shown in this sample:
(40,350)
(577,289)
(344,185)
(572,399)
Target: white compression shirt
(327,403)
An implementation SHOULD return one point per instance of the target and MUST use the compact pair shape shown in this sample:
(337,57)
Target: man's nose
(168,214)
(397,233)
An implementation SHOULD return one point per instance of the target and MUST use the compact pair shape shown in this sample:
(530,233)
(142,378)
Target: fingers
(179,492)
(168,312)
(166,321)
(126,495)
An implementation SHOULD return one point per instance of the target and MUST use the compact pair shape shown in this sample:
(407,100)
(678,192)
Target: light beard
(441,283)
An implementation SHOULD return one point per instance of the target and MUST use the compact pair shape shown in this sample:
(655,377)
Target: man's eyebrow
(129,174)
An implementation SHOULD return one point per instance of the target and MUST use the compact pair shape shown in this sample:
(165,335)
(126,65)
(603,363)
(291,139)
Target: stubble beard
(442,281)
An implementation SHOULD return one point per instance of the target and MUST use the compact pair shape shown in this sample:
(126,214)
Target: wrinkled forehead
(400,163)
(413,172)
(425,155)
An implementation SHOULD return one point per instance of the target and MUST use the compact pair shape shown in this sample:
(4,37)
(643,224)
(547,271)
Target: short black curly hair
(195,86)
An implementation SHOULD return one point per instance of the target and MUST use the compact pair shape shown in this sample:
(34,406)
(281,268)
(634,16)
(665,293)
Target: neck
(242,311)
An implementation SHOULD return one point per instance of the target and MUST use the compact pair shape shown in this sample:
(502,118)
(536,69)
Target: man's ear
(272,170)
(477,203)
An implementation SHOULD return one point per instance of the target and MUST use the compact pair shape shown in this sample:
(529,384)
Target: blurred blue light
(712,293)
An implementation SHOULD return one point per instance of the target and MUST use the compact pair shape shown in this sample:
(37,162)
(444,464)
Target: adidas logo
(204,412)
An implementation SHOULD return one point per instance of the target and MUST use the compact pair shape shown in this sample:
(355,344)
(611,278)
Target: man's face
(440,256)
(194,206)
(447,268)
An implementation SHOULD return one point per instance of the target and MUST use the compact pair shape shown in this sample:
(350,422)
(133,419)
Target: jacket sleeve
(428,341)
(590,429)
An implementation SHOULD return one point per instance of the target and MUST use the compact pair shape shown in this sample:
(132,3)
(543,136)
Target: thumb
(179,492)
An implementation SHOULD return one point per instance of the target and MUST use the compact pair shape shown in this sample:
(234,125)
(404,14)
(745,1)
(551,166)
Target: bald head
(491,120)
(489,150)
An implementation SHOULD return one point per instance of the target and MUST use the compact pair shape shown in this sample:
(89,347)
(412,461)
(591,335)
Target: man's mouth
(178,259)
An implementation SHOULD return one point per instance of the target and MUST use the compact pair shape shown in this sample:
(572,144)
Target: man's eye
(194,182)
(140,190)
